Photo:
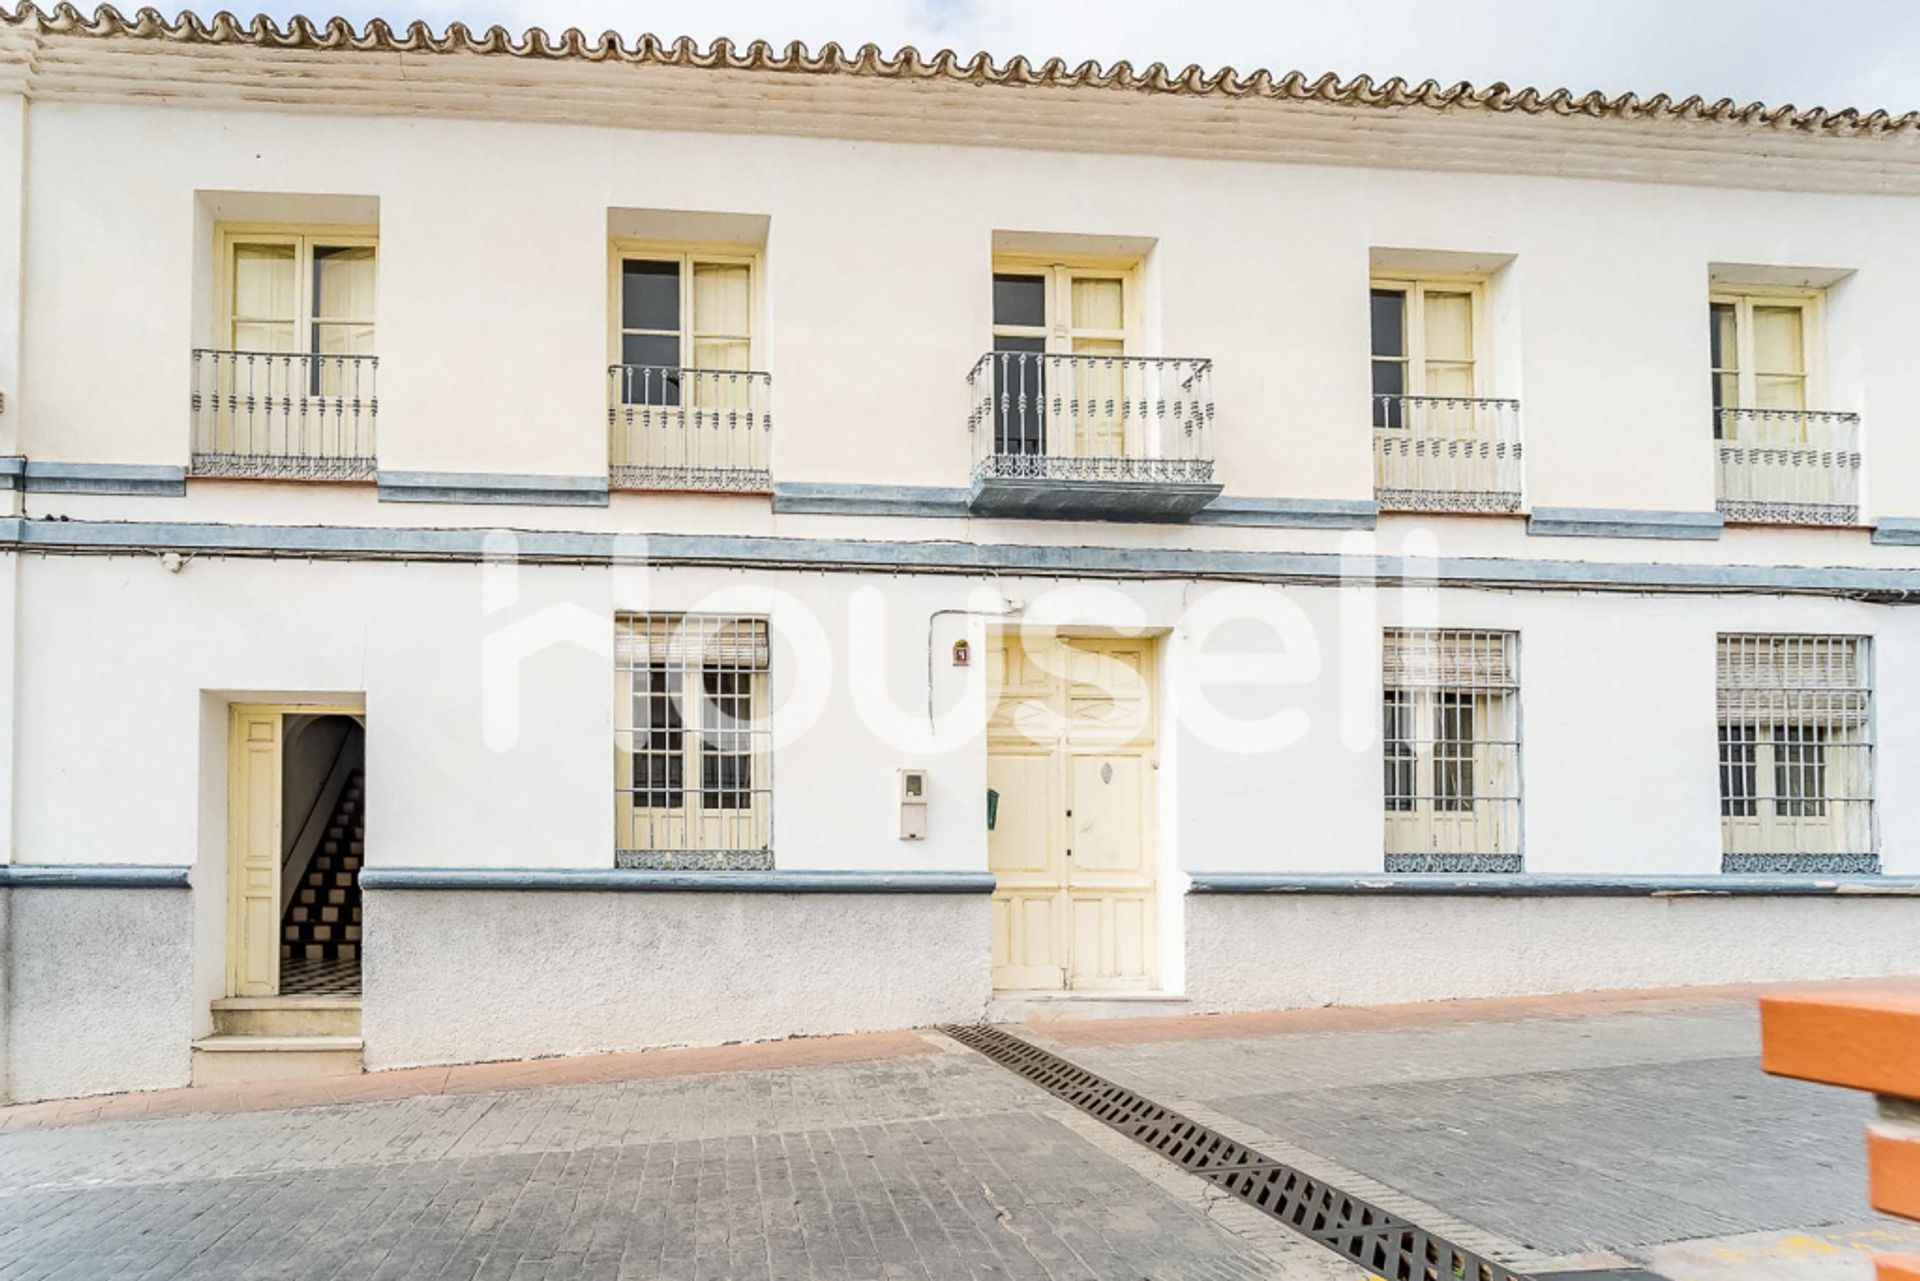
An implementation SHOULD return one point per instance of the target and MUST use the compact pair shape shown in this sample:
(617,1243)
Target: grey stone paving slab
(937,1167)
(1617,1157)
(1220,1067)
(1563,1137)
(553,1119)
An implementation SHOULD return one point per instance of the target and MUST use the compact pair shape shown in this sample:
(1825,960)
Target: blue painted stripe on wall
(1524,884)
(952,557)
(489,487)
(1605,522)
(824,499)
(1289,513)
(1897,531)
(619,879)
(104,478)
(113,876)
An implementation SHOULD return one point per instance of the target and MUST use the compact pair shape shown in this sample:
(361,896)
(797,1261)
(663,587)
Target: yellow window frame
(303,238)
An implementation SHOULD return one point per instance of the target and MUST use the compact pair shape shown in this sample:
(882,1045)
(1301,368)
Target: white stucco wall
(458,976)
(100,997)
(514,769)
(487,692)
(492,305)
(1271,951)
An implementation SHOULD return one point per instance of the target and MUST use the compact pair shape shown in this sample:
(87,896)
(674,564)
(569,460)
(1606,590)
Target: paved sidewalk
(1590,1131)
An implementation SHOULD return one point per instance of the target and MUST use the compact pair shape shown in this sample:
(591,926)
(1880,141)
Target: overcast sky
(1863,53)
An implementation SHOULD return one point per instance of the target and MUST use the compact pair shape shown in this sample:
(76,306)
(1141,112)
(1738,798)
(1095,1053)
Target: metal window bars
(283,415)
(1446,454)
(1795,716)
(1047,416)
(1788,466)
(689,429)
(693,759)
(1451,726)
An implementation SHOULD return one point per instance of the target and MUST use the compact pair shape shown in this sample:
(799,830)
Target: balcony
(1446,454)
(1788,466)
(688,429)
(1085,437)
(283,415)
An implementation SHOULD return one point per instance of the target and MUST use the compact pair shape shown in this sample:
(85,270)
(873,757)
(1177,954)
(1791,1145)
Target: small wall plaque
(962,654)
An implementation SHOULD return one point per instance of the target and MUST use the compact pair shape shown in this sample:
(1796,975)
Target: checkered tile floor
(320,977)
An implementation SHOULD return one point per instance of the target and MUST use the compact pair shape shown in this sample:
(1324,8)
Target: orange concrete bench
(1862,1041)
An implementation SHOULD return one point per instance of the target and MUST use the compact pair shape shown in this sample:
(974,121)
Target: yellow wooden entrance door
(1071,753)
(253,852)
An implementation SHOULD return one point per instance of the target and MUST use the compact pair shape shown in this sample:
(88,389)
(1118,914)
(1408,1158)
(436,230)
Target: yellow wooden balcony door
(1071,752)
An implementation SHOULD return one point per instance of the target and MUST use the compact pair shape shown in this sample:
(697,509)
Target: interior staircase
(323,921)
(312,1028)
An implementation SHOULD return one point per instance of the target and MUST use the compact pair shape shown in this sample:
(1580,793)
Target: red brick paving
(405,1083)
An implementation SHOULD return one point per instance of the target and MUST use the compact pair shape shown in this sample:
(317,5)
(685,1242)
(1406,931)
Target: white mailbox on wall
(913,805)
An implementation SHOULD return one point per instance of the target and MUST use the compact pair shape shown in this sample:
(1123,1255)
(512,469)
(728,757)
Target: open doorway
(297,840)
(323,843)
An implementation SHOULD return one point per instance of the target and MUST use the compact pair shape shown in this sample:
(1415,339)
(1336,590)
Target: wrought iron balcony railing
(1446,454)
(1041,416)
(283,415)
(698,429)
(1788,466)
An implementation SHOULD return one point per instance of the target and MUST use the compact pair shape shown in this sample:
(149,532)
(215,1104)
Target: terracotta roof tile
(378,36)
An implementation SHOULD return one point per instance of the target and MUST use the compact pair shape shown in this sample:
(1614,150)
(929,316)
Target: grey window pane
(1398,730)
(1389,322)
(1717,327)
(1019,391)
(1389,384)
(1739,785)
(1019,300)
(651,370)
(650,295)
(650,349)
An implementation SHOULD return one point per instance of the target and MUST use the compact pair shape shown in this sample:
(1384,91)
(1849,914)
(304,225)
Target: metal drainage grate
(1383,1243)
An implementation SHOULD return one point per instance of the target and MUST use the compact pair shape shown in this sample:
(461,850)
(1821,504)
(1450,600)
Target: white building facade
(520,549)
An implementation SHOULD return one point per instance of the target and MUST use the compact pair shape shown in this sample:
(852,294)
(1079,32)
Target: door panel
(1023,851)
(1071,754)
(1026,939)
(1112,941)
(253,892)
(1106,801)
(1020,842)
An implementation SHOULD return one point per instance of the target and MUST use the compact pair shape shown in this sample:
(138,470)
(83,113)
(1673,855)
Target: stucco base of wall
(1264,951)
(6,992)
(457,976)
(100,990)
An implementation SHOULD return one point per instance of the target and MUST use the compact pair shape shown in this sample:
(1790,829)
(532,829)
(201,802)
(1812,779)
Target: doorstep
(283,1016)
(1051,1006)
(240,1060)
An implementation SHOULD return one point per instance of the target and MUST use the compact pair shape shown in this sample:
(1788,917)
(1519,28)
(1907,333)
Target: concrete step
(1044,1007)
(283,1016)
(235,1060)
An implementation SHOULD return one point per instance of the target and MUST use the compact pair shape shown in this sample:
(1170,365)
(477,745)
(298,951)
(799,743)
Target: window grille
(693,776)
(1451,739)
(1796,754)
